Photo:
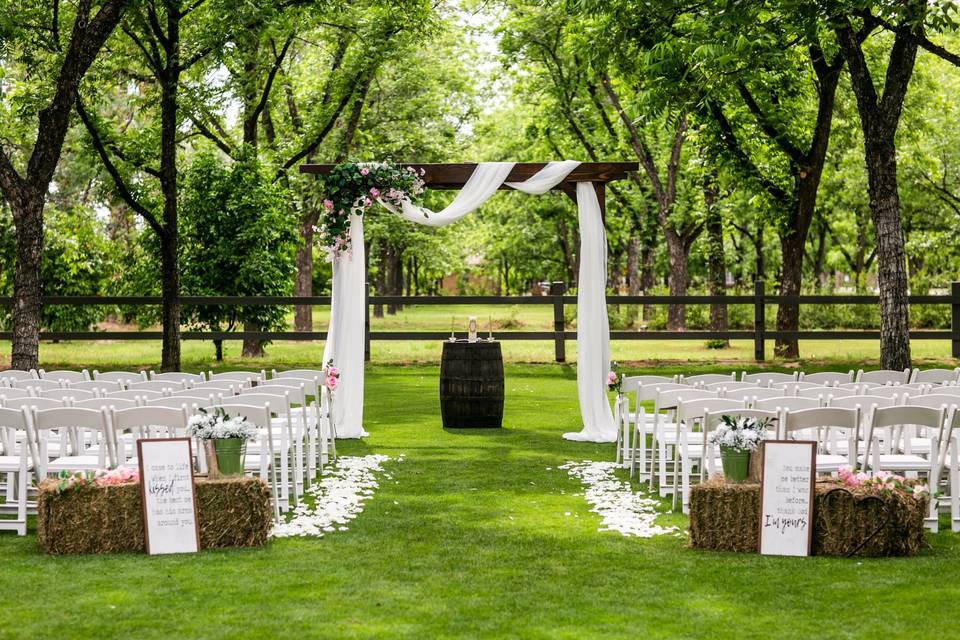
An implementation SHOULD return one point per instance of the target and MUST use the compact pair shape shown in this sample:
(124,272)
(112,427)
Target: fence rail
(557,298)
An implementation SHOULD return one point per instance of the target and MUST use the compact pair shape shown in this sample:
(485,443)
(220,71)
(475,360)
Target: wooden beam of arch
(454,176)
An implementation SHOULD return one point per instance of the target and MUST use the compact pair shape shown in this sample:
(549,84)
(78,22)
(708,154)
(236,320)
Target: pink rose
(364,171)
(612,377)
(328,205)
(374,192)
(331,383)
(367,202)
(333,371)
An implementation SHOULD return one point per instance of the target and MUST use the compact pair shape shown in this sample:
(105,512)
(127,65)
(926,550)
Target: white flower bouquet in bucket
(224,438)
(737,437)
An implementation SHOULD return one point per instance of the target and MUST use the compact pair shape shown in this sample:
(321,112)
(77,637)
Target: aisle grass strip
(337,499)
(619,507)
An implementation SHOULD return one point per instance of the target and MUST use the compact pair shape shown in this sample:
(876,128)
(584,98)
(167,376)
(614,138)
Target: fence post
(955,319)
(557,290)
(759,321)
(366,322)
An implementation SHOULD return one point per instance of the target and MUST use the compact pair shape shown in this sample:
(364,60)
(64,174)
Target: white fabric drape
(345,334)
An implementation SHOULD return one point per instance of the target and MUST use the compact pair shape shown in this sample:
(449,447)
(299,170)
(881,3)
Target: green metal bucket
(736,464)
(229,455)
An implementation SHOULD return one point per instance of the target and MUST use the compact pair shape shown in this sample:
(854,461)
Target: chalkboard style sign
(786,497)
(167,492)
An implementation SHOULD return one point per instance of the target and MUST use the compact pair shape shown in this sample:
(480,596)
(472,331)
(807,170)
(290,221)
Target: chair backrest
(791,388)
(133,394)
(97,386)
(706,378)
(865,403)
(630,384)
(884,376)
(64,374)
(147,419)
(897,392)
(935,400)
(884,417)
(278,402)
(831,378)
(97,403)
(39,403)
(298,394)
(182,401)
(647,392)
(669,399)
(178,376)
(19,374)
(217,386)
(824,392)
(729,385)
(786,403)
(13,424)
(123,377)
(935,376)
(37,385)
(11,392)
(689,411)
(950,390)
(767,378)
(712,419)
(298,373)
(63,394)
(754,393)
(165,386)
(821,418)
(260,415)
(245,378)
(859,387)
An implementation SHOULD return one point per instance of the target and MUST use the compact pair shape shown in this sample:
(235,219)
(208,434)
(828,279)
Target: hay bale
(231,512)
(846,521)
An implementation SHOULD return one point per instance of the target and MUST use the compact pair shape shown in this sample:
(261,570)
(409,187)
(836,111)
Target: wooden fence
(557,298)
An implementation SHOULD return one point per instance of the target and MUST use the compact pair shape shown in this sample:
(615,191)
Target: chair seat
(74,463)
(10,464)
(921,446)
(831,462)
(901,462)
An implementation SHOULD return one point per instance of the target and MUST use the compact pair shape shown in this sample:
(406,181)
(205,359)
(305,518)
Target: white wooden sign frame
(162,465)
(789,469)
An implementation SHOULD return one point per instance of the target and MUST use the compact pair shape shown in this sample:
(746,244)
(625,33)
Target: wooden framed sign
(167,492)
(786,497)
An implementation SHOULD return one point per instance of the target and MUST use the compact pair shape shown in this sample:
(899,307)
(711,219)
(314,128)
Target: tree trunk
(716,260)
(303,283)
(788,315)
(396,278)
(27,287)
(380,284)
(759,264)
(252,348)
(677,250)
(891,262)
(170,356)
(218,349)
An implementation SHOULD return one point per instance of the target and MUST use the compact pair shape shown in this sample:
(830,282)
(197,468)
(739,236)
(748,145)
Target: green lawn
(469,539)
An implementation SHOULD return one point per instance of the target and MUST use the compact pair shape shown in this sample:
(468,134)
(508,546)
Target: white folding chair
(164,386)
(832,425)
(878,456)
(884,376)
(96,386)
(37,385)
(304,408)
(19,374)
(67,394)
(285,443)
(263,462)
(64,375)
(829,378)
(752,394)
(123,377)
(712,420)
(217,387)
(727,385)
(16,465)
(936,376)
(825,392)
(89,431)
(707,378)
(134,394)
(188,379)
(105,403)
(135,423)
(238,378)
(10,392)
(643,390)
(785,403)
(791,388)
(690,448)
(666,434)
(767,378)
(191,402)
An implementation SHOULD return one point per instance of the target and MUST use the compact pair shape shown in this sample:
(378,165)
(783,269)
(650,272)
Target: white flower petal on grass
(619,507)
(336,499)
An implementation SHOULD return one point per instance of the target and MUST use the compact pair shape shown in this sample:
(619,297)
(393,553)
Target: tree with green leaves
(47,50)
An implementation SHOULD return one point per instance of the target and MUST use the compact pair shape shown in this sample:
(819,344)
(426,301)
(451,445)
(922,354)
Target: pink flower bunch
(116,476)
(331,376)
(374,192)
(881,481)
(613,379)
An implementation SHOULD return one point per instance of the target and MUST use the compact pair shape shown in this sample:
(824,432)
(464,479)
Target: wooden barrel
(471,385)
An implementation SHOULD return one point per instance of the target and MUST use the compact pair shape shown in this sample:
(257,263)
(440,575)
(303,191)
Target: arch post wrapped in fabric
(582,181)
